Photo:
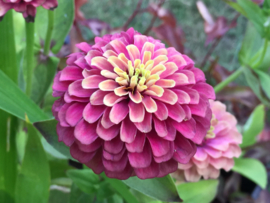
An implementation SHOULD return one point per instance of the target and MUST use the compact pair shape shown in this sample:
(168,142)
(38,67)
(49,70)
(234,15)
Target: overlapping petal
(131,106)
(218,148)
(26,7)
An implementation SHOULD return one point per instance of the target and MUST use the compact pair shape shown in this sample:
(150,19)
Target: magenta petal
(167,167)
(96,163)
(162,111)
(115,166)
(199,74)
(128,131)
(123,175)
(193,94)
(171,132)
(112,99)
(92,113)
(69,99)
(114,146)
(205,89)
(168,97)
(201,108)
(97,97)
(160,127)
(200,134)
(65,135)
(105,121)
(113,157)
(138,144)
(183,97)
(107,134)
(186,128)
(71,73)
(58,85)
(136,111)
(92,82)
(142,159)
(62,115)
(119,112)
(167,156)
(159,146)
(146,125)
(151,171)
(91,54)
(74,113)
(184,149)
(187,111)
(176,112)
(76,89)
(85,132)
(139,41)
(81,156)
(91,147)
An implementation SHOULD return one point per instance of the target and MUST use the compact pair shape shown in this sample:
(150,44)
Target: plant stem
(8,123)
(47,44)
(263,54)
(29,56)
(228,80)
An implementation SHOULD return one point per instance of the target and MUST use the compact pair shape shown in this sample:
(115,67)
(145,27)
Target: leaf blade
(251,169)
(35,172)
(162,189)
(203,191)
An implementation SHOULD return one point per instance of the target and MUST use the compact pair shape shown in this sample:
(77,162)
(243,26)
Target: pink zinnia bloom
(129,106)
(218,149)
(26,7)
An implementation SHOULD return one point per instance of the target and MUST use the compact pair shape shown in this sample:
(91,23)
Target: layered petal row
(129,106)
(26,7)
(218,148)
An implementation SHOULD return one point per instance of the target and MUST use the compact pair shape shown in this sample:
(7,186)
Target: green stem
(228,80)
(29,56)
(49,32)
(263,54)
(8,123)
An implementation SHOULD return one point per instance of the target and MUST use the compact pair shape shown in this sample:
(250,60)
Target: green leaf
(252,49)
(48,131)
(63,20)
(8,156)
(85,179)
(8,123)
(158,188)
(43,77)
(265,82)
(251,169)
(121,189)
(253,126)
(203,191)
(14,101)
(237,7)
(33,181)
(254,14)
(254,84)
(57,196)
(77,196)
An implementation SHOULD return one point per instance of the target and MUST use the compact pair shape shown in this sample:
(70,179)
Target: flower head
(129,106)
(26,7)
(218,149)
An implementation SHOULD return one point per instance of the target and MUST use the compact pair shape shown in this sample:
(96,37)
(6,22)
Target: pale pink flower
(129,106)
(26,7)
(218,149)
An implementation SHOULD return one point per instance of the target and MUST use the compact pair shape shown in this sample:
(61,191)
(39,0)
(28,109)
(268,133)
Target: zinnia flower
(129,106)
(218,149)
(26,7)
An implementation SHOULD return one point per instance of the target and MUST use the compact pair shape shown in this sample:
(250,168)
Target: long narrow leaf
(15,102)
(33,181)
